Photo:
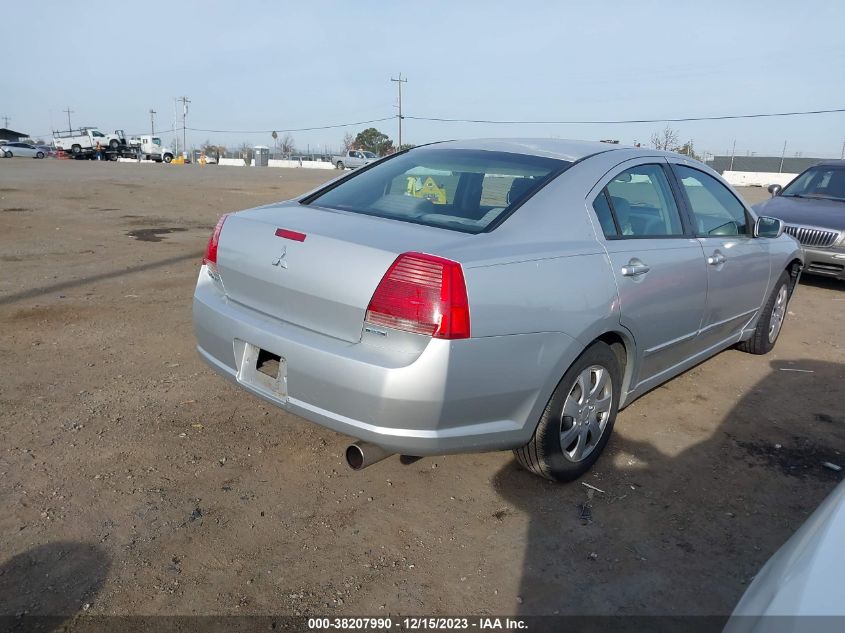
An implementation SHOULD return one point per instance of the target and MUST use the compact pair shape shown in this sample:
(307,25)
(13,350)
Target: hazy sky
(272,65)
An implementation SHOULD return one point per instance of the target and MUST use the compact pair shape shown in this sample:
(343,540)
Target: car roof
(561,149)
(831,163)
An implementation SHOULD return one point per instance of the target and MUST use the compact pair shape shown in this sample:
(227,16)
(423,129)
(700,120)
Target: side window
(605,215)
(642,203)
(715,209)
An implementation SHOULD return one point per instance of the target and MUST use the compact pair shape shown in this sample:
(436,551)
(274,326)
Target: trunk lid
(325,282)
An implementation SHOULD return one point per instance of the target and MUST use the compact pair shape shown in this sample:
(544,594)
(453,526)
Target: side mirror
(774,190)
(768,227)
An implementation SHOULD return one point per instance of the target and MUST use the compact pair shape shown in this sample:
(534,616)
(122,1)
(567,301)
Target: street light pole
(152,122)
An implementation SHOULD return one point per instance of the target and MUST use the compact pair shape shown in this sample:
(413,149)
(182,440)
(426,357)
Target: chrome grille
(809,236)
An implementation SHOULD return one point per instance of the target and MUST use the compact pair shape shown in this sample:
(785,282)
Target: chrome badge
(280,260)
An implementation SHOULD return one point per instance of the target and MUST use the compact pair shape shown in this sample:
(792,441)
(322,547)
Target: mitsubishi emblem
(280,260)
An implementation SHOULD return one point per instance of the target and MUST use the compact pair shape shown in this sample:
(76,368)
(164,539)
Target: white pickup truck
(151,148)
(353,158)
(87,138)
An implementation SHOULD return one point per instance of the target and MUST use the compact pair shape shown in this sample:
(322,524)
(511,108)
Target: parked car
(801,582)
(517,299)
(23,150)
(813,209)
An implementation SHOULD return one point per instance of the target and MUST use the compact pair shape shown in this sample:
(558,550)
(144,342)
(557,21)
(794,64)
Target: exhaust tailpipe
(362,454)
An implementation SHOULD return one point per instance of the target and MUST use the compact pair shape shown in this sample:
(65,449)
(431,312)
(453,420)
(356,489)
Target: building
(10,135)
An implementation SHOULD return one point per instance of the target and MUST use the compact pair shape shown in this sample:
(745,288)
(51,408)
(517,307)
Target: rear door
(659,267)
(737,263)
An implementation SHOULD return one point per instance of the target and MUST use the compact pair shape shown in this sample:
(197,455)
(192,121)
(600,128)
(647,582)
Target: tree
(406,146)
(348,142)
(666,139)
(211,149)
(246,153)
(687,150)
(287,145)
(371,140)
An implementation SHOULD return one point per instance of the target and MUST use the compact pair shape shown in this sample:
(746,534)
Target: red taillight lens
(210,258)
(423,294)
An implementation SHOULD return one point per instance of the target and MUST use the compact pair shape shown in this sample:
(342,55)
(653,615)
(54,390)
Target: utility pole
(782,154)
(733,153)
(399,83)
(152,122)
(185,101)
(6,118)
(69,112)
(842,155)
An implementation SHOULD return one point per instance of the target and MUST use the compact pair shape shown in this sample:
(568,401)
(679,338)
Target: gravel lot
(135,481)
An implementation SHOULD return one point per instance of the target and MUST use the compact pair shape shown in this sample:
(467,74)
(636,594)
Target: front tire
(168,158)
(578,419)
(771,319)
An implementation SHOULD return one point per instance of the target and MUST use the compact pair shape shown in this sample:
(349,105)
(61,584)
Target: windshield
(464,190)
(818,182)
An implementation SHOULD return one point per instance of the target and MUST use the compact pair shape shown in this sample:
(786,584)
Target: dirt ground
(133,480)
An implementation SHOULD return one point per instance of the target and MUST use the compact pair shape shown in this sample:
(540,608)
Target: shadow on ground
(56,580)
(827,283)
(726,503)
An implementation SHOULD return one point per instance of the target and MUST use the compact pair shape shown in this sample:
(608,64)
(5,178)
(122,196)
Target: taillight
(422,294)
(210,258)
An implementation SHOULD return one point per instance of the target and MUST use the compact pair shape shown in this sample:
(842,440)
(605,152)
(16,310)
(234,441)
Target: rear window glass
(464,190)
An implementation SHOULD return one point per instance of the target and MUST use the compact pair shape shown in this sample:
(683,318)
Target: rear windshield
(464,190)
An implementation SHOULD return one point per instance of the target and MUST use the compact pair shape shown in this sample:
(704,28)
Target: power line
(301,129)
(622,121)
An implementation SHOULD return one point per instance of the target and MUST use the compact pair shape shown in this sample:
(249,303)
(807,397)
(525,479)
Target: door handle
(716,259)
(635,269)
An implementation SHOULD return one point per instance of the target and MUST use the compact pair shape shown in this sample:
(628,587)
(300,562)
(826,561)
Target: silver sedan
(488,295)
(22,150)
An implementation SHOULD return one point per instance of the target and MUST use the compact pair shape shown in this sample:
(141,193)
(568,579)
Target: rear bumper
(829,262)
(446,397)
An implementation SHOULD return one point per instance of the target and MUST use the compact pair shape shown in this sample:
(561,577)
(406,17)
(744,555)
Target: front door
(737,263)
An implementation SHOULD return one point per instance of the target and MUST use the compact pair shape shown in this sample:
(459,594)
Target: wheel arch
(621,343)
(794,269)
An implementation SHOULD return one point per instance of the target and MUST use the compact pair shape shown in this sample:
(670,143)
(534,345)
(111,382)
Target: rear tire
(39,155)
(340,165)
(76,150)
(114,143)
(771,319)
(578,419)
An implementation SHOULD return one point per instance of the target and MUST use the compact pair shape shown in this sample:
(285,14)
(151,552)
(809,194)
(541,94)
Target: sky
(261,66)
